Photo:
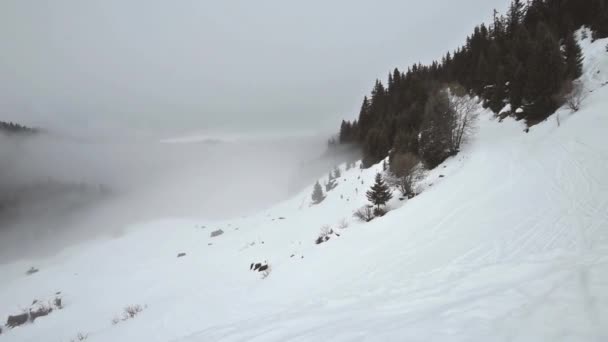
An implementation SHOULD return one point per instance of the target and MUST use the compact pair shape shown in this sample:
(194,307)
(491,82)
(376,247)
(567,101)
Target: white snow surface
(511,244)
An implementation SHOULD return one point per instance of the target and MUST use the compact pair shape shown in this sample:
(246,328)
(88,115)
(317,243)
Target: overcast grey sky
(220,66)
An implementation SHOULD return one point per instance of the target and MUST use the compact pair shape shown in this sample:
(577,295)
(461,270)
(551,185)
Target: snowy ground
(511,244)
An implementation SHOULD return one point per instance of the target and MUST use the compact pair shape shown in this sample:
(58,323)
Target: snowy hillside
(507,242)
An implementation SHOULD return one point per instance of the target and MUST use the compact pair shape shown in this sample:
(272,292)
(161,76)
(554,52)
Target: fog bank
(62,190)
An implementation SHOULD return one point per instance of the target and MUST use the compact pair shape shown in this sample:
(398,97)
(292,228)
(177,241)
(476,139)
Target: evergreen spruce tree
(499,91)
(365,119)
(600,21)
(516,87)
(337,173)
(514,17)
(317,194)
(481,73)
(545,69)
(437,130)
(380,193)
(573,56)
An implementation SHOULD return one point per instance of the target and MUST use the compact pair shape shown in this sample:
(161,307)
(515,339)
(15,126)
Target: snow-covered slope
(508,242)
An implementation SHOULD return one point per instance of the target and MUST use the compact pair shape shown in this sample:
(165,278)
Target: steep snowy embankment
(511,244)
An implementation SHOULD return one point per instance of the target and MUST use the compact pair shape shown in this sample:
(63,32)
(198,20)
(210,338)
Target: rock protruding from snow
(216,233)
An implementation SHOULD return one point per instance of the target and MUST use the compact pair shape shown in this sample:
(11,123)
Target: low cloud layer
(65,190)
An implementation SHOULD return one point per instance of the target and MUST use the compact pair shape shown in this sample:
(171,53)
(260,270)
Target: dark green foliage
(573,57)
(600,20)
(317,194)
(13,128)
(348,132)
(516,87)
(545,75)
(517,59)
(380,193)
(437,130)
(498,91)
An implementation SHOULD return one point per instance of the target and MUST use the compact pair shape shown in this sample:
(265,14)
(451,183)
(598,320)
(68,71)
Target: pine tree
(573,56)
(515,17)
(600,21)
(365,119)
(498,92)
(545,69)
(436,133)
(337,173)
(380,193)
(317,194)
(481,73)
(516,87)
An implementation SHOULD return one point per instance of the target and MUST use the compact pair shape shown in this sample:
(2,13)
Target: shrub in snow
(574,96)
(343,224)
(325,235)
(365,214)
(331,182)
(128,312)
(132,311)
(80,337)
(379,212)
(403,172)
(58,303)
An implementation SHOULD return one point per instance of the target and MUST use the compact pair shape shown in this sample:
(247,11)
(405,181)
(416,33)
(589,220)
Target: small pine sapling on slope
(317,194)
(380,193)
(337,172)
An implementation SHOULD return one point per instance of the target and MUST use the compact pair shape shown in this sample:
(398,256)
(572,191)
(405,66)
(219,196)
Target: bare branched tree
(365,214)
(448,121)
(575,96)
(466,110)
(403,173)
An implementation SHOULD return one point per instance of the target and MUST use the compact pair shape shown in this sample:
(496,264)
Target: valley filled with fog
(59,190)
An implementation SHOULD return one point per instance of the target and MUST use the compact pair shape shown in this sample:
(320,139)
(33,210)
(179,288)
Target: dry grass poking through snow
(129,312)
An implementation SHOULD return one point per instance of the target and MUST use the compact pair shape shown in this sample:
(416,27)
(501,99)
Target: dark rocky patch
(17,320)
(216,233)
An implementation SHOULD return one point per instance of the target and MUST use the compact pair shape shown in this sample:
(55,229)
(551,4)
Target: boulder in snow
(17,320)
(31,271)
(217,233)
